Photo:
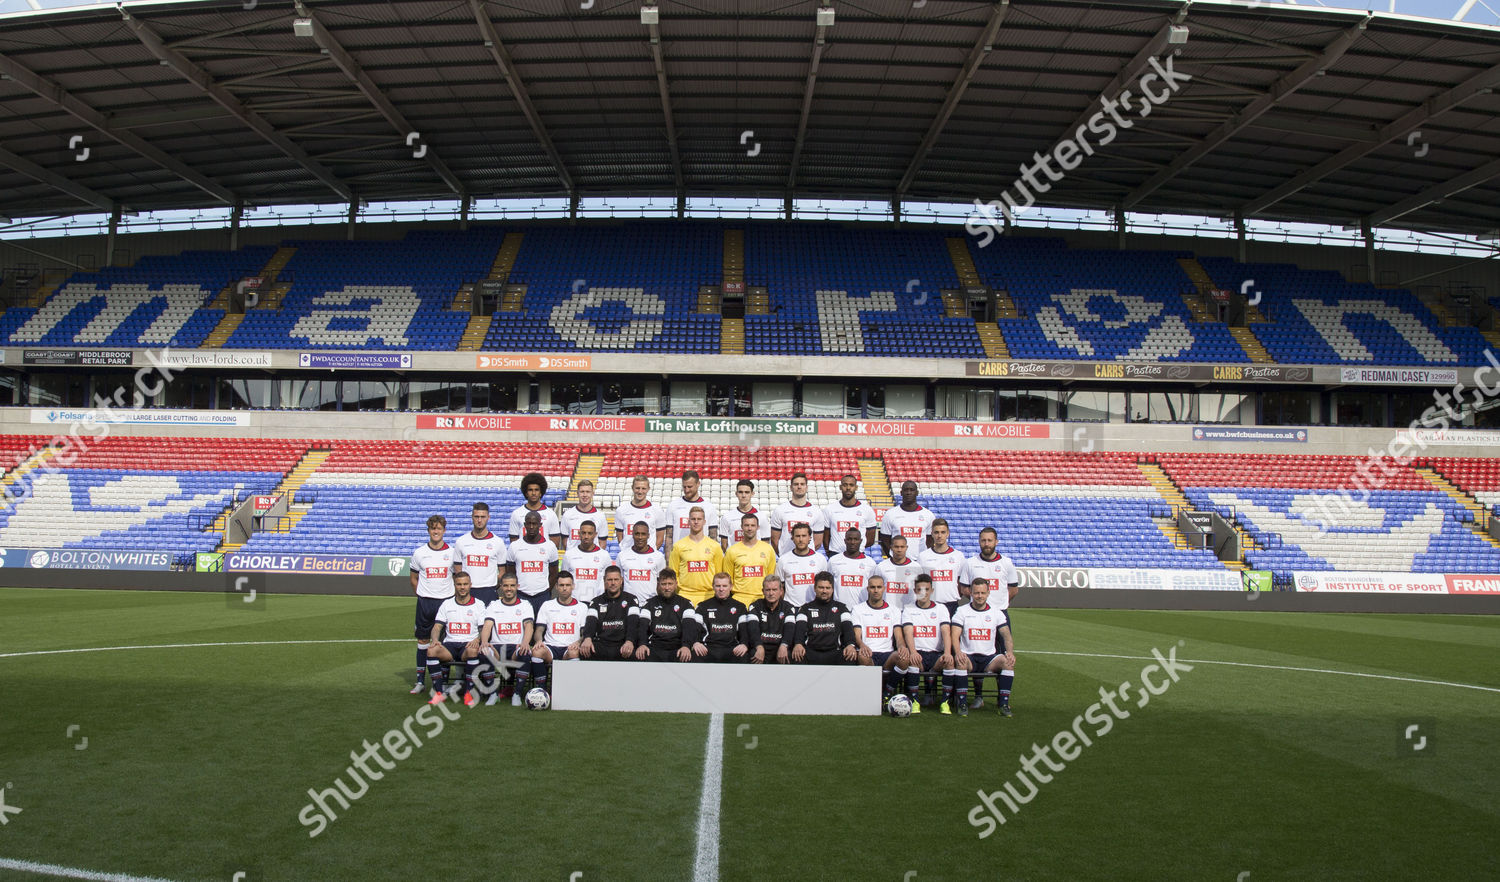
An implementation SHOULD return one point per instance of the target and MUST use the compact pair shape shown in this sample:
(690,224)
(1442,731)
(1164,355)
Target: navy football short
(930,658)
(427,610)
(980,661)
(878,658)
(456,648)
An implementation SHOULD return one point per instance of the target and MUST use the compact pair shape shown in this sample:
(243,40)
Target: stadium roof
(1293,113)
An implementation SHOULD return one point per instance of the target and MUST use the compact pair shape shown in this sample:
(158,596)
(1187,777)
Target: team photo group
(691,585)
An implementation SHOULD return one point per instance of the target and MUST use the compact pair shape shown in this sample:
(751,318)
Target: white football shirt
(916,526)
(927,626)
(797,574)
(627,515)
(481,558)
(564,624)
(977,629)
(677,516)
(788,515)
(730,524)
(461,622)
(510,621)
(877,626)
(551,526)
(851,576)
(640,570)
(588,569)
(434,569)
(1001,573)
(945,569)
(531,565)
(841,520)
(575,516)
(900,579)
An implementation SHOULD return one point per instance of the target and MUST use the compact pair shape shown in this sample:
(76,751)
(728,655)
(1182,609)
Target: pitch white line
(196,645)
(73,873)
(706,863)
(1204,661)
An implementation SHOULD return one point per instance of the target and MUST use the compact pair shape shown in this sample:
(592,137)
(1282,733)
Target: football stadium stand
(1100,305)
(1319,318)
(627,288)
(830,290)
(1050,509)
(160,301)
(380,295)
(1336,513)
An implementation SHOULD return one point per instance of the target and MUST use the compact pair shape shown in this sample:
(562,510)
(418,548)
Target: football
(899,706)
(538,699)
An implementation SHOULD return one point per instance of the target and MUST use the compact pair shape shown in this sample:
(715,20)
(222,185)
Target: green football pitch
(176,736)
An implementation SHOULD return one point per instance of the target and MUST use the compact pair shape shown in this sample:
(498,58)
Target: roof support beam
(55,180)
(666,105)
(1436,193)
(819,40)
(65,100)
(1286,85)
(518,90)
(224,98)
(367,87)
(1479,84)
(1113,88)
(955,93)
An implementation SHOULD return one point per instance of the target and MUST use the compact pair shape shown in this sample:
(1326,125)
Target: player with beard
(681,509)
(482,555)
(800,567)
(849,513)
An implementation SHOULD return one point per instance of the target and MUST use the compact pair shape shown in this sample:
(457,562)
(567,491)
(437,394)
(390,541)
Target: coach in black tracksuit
(773,625)
(825,629)
(610,630)
(668,624)
(726,626)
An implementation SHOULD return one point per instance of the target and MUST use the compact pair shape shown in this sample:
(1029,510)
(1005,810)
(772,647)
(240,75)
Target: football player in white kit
(926,625)
(432,582)
(559,631)
(639,508)
(877,633)
(507,637)
(945,564)
(456,633)
(998,568)
(852,569)
(984,644)
(907,519)
(847,513)
(799,569)
(535,560)
(640,564)
(681,509)
(482,555)
(730,524)
(797,510)
(587,562)
(900,573)
(585,510)
(534,488)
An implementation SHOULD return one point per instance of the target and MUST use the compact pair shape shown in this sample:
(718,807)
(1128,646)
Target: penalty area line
(73,872)
(1205,661)
(706,861)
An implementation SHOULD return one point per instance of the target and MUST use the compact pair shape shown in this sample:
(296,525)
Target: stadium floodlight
(649,15)
(302,27)
(1177,34)
(825,16)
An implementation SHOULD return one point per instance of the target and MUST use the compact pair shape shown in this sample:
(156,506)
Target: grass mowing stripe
(200,645)
(706,862)
(1206,661)
(73,873)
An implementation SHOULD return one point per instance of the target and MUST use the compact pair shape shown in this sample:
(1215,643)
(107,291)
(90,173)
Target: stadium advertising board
(88,357)
(1152,580)
(533,362)
(205,359)
(325,564)
(151,417)
(1133,371)
(265,503)
(84,559)
(265,562)
(1166,580)
(730,426)
(1248,433)
(1257,580)
(1372,583)
(1488,583)
(355,360)
(1456,437)
(1399,376)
